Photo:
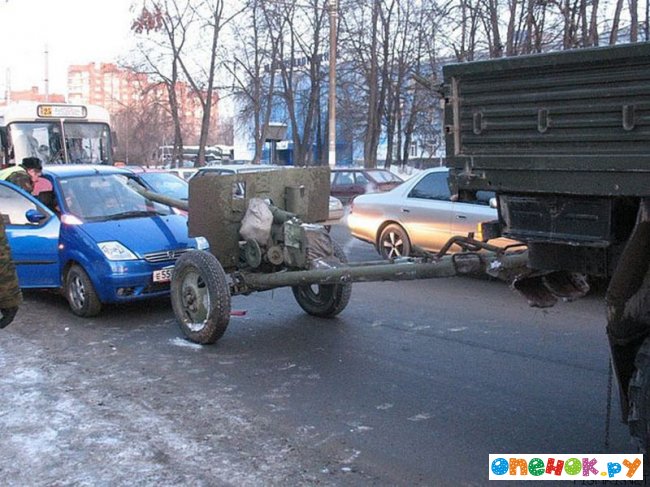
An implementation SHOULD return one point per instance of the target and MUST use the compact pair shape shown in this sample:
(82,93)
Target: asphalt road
(415,383)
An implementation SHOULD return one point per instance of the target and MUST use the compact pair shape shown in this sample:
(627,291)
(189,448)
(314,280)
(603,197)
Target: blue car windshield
(106,197)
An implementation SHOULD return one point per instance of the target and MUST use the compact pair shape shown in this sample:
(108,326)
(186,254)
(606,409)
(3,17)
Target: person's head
(33,167)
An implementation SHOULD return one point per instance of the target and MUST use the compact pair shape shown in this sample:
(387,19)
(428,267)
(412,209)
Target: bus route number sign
(62,111)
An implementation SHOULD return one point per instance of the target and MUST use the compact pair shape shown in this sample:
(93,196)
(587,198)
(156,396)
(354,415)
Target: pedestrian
(10,295)
(25,175)
(26,142)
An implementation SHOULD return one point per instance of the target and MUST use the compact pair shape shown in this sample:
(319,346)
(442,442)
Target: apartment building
(104,84)
(116,89)
(33,94)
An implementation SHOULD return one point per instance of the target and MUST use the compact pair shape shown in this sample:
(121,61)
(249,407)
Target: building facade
(32,94)
(118,89)
(104,84)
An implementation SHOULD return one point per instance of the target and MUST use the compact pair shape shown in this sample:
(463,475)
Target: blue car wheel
(80,293)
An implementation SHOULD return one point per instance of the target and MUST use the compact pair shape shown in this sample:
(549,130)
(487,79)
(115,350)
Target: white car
(420,212)
(185,173)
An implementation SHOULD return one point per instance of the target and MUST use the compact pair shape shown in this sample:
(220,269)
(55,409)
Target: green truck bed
(572,122)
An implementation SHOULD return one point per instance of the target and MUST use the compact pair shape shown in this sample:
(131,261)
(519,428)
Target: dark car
(346,183)
(161,181)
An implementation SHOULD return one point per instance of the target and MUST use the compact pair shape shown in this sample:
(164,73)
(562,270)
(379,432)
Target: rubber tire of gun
(209,281)
(330,299)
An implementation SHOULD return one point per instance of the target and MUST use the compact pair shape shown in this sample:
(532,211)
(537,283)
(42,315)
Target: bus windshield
(56,143)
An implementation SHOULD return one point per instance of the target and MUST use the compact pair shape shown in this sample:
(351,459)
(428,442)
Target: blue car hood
(142,235)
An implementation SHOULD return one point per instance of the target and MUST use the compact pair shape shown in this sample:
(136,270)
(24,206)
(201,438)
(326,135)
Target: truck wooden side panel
(571,122)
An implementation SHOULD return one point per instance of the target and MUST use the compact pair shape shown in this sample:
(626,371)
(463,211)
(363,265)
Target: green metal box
(218,202)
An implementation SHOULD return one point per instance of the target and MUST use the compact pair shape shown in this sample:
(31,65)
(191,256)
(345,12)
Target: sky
(74,31)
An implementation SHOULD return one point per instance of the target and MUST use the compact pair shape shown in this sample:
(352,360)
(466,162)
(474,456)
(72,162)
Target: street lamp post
(332,84)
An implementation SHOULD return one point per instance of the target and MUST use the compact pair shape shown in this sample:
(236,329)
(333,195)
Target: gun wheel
(325,301)
(200,297)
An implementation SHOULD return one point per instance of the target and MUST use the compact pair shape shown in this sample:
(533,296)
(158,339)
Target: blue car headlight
(202,243)
(114,250)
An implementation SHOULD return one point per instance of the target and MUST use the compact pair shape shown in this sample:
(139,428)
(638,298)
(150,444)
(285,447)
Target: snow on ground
(65,421)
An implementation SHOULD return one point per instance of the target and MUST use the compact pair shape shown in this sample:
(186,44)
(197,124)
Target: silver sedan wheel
(394,242)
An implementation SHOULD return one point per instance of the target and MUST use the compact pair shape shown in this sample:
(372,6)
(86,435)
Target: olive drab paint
(10,295)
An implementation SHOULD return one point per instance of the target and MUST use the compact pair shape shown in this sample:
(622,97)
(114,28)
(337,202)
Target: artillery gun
(263,234)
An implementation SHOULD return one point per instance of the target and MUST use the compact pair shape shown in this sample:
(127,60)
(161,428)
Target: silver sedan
(420,212)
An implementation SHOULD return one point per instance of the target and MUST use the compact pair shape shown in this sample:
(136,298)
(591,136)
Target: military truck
(564,140)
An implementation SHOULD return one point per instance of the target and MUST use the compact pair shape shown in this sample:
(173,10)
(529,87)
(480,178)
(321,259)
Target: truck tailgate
(578,117)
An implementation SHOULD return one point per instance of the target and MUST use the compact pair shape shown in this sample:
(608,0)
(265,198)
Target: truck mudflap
(542,289)
(628,304)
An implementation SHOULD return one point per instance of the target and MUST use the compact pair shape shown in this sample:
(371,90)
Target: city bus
(56,133)
(227,153)
(214,154)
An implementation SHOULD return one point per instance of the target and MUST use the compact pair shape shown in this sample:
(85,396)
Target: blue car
(99,241)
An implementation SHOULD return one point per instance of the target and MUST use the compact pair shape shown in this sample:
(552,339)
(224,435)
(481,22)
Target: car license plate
(163,275)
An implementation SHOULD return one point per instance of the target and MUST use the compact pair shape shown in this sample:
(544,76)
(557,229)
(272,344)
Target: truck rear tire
(639,398)
(200,297)
(324,301)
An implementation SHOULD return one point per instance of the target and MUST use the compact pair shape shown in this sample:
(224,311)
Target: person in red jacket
(25,175)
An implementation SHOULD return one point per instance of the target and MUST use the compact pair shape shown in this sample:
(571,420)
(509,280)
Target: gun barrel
(447,266)
(161,198)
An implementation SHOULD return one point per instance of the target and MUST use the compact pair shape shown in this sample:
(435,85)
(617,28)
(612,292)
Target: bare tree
(382,44)
(415,58)
(402,57)
(253,70)
(300,68)
(178,26)
(161,51)
(634,20)
(141,123)
(468,21)
(418,100)
(367,39)
(613,34)
(211,17)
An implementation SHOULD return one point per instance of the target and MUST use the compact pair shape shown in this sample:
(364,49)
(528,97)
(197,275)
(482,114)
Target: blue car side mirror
(34,216)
